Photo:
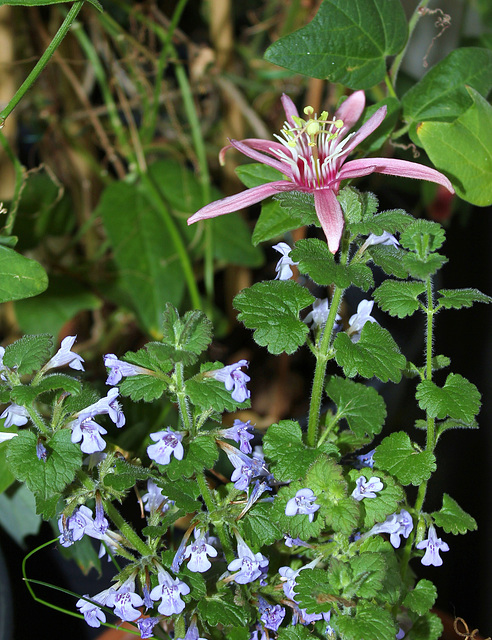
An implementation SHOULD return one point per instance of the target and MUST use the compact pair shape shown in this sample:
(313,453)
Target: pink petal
(351,110)
(290,109)
(255,143)
(330,215)
(260,157)
(402,168)
(241,200)
(366,130)
(363,167)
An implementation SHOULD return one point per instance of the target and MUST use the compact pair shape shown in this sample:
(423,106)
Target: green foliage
(369,621)
(142,387)
(399,298)
(458,399)
(397,455)
(18,515)
(272,310)
(362,406)
(20,277)
(375,354)
(259,528)
(452,518)
(44,478)
(462,149)
(284,446)
(202,454)
(421,598)
(357,205)
(347,42)
(28,353)
(426,627)
(222,610)
(459,298)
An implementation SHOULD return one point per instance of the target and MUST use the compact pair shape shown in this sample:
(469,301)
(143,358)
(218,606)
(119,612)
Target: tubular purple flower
(146,626)
(396,525)
(432,546)
(90,433)
(271,615)
(249,565)
(14,414)
(312,156)
(124,600)
(107,405)
(197,553)
(154,499)
(239,432)
(64,356)
(302,503)
(120,369)
(234,379)
(366,488)
(167,443)
(169,592)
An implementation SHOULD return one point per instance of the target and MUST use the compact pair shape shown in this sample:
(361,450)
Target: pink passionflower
(312,156)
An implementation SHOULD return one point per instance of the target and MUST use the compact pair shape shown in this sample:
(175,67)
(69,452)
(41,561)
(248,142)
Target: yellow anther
(324,115)
(308,111)
(312,128)
(338,124)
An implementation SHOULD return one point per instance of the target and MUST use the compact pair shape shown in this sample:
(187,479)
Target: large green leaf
(442,94)
(149,269)
(20,277)
(347,42)
(463,150)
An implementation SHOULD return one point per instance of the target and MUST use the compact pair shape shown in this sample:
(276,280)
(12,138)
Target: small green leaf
(421,599)
(369,571)
(272,310)
(49,477)
(392,221)
(18,514)
(399,298)
(398,456)
(142,387)
(390,259)
(458,399)
(346,42)
(28,353)
(463,150)
(313,590)
(458,298)
(422,268)
(298,632)
(197,332)
(369,621)
(441,94)
(452,518)
(259,528)
(362,406)
(222,610)
(20,277)
(423,236)
(425,627)
(376,354)
(317,261)
(357,205)
(284,446)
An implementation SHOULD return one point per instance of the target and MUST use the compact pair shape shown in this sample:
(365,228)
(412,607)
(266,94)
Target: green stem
(211,505)
(43,60)
(320,370)
(395,67)
(126,530)
(207,494)
(431,423)
(182,403)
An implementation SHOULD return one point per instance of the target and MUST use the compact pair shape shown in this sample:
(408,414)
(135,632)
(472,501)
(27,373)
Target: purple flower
(64,356)
(312,155)
(366,488)
(302,503)
(90,433)
(432,546)
(283,268)
(239,432)
(385,238)
(107,405)
(146,626)
(396,526)
(169,592)
(245,468)
(167,443)
(154,499)
(359,319)
(271,615)
(192,633)
(319,314)
(120,369)
(92,612)
(365,460)
(124,600)
(197,553)
(292,542)
(14,414)
(234,379)
(249,565)
(74,527)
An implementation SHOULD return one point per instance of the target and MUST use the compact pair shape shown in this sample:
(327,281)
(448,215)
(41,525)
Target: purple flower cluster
(366,488)
(239,432)
(234,379)
(167,443)
(302,503)
(396,525)
(85,429)
(249,566)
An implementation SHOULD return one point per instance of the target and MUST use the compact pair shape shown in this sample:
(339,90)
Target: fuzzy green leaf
(362,406)
(425,627)
(458,399)
(29,353)
(318,262)
(452,518)
(346,42)
(369,621)
(222,610)
(399,298)
(20,277)
(421,599)
(298,632)
(272,310)
(357,205)
(284,446)
(376,354)
(391,221)
(142,387)
(44,478)
(423,236)
(398,456)
(458,298)
(314,591)
(390,259)
(422,268)
(258,527)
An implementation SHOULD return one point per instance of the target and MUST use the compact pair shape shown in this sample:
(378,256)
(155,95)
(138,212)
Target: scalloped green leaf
(272,310)
(346,42)
(28,353)
(375,354)
(399,298)
(459,298)
(423,236)
(222,610)
(362,406)
(397,455)
(142,387)
(259,528)
(421,599)
(369,621)
(458,398)
(452,518)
